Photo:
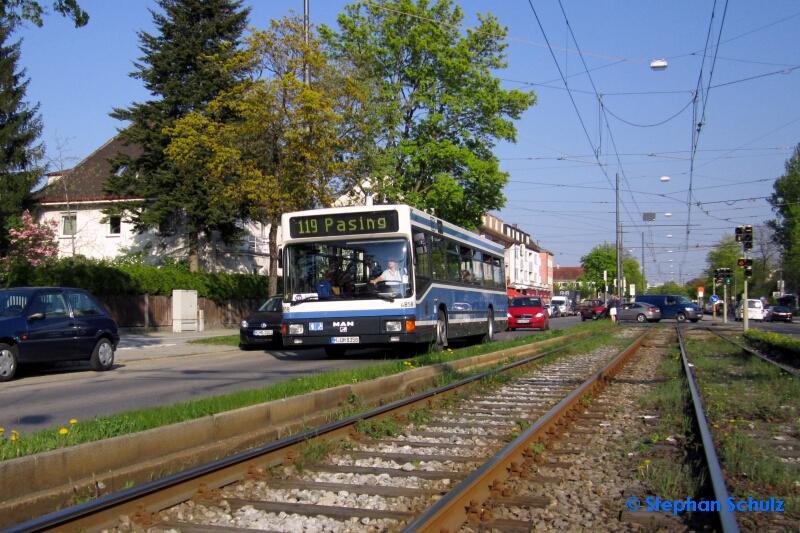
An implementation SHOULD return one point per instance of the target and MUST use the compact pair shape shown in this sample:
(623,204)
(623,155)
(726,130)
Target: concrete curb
(67,476)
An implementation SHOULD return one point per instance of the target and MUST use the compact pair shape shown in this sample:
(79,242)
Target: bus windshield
(348,269)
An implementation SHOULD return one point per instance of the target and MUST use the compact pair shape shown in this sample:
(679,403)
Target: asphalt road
(162,369)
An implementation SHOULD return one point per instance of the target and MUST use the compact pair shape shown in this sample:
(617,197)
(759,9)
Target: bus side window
(438,259)
(453,261)
(477,269)
(498,272)
(488,271)
(422,262)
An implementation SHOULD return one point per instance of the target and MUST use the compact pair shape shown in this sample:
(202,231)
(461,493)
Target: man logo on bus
(343,324)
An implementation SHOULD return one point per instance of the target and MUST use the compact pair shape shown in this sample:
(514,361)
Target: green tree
(20,127)
(438,108)
(179,69)
(604,258)
(282,151)
(785,203)
(16,12)
(669,287)
(725,254)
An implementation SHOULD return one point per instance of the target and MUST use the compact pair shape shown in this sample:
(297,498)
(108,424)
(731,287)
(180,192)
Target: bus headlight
(295,329)
(393,325)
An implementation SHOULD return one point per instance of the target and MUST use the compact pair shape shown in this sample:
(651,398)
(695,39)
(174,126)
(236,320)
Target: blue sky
(570,148)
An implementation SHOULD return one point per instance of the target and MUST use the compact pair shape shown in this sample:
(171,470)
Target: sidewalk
(137,346)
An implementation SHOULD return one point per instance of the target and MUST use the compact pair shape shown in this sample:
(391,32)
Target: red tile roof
(567,273)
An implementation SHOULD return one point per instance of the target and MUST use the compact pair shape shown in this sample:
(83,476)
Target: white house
(75,199)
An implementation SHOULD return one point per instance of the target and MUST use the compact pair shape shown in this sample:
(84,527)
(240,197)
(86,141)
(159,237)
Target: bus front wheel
(441,332)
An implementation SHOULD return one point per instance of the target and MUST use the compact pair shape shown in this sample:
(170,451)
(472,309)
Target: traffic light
(748,237)
(716,274)
(728,274)
(742,261)
(739,233)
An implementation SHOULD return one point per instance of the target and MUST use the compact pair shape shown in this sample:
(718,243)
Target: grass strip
(14,444)
(783,346)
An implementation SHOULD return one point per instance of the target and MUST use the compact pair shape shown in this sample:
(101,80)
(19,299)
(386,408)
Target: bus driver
(390,274)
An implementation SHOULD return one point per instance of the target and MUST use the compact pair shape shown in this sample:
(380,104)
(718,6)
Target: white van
(562,302)
(755,310)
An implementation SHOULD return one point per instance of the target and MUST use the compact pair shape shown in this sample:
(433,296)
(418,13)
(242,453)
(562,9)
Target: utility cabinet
(184,310)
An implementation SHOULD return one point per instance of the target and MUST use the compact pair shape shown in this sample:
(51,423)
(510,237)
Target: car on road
(591,307)
(674,306)
(52,324)
(777,313)
(755,310)
(263,327)
(640,312)
(527,312)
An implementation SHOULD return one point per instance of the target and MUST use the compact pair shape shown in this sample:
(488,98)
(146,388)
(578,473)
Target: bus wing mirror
(280,257)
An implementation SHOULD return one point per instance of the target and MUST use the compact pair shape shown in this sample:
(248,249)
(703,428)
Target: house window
(69,224)
(114,225)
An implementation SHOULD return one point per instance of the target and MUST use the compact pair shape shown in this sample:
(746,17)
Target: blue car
(51,324)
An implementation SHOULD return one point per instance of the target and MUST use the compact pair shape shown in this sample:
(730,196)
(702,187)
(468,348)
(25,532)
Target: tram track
(465,443)
(751,448)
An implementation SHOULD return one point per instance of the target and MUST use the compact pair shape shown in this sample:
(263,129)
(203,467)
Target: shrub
(104,279)
(775,344)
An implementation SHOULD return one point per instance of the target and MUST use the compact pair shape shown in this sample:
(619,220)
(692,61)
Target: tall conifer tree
(177,70)
(20,127)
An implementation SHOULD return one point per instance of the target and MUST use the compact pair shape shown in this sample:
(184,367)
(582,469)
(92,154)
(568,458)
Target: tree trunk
(273,256)
(194,260)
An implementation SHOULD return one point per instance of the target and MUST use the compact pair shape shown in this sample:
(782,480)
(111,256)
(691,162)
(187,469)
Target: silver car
(640,312)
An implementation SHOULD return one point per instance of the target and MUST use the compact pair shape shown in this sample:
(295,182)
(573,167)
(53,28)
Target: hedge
(781,345)
(102,278)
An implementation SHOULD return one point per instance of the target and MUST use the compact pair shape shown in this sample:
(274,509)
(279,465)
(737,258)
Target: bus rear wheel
(441,332)
(489,335)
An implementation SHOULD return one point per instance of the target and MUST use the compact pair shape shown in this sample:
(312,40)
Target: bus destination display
(344,224)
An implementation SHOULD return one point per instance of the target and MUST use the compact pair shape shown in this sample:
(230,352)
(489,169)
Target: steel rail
(791,371)
(450,512)
(726,518)
(103,513)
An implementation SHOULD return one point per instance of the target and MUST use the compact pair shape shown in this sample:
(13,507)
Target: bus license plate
(262,332)
(344,340)
(523,321)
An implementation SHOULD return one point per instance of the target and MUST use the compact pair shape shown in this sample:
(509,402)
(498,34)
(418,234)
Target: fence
(151,313)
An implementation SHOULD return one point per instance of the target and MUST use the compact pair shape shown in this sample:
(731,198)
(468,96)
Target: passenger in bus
(466,277)
(390,274)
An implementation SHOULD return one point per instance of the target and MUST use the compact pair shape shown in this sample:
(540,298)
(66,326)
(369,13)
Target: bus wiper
(310,298)
(384,297)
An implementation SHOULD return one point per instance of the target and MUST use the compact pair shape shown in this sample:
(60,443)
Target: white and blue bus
(381,275)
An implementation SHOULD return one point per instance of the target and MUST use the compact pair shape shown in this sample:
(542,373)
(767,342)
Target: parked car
(263,327)
(562,303)
(527,312)
(552,310)
(51,324)
(755,310)
(778,313)
(674,306)
(591,307)
(640,312)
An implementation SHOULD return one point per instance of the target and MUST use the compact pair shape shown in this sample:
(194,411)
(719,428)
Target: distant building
(529,269)
(75,199)
(563,277)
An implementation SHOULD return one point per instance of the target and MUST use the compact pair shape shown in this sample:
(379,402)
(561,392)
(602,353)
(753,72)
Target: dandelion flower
(716,426)
(63,431)
(73,421)
(647,461)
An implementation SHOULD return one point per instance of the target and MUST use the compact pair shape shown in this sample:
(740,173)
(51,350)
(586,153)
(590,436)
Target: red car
(591,307)
(527,312)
